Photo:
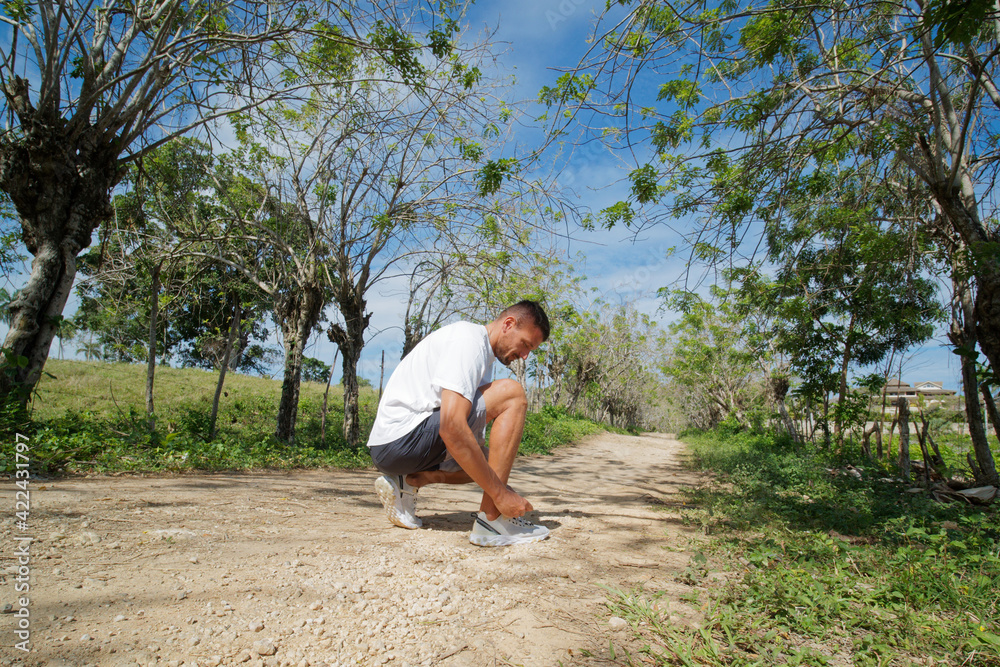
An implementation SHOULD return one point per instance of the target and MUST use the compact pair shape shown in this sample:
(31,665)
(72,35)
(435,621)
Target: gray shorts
(423,449)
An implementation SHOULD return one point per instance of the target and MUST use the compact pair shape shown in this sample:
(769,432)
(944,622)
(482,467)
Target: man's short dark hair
(528,311)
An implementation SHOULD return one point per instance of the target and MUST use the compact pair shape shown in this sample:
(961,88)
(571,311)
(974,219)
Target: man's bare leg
(506,408)
(419,479)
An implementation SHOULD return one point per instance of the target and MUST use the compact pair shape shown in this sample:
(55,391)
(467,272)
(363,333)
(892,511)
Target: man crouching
(431,423)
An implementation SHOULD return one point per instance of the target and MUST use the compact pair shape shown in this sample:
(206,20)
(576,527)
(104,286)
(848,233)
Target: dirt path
(303,569)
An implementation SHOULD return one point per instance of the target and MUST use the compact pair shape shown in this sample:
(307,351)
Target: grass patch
(830,569)
(553,427)
(91,417)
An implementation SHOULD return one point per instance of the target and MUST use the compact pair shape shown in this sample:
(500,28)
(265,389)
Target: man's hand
(511,504)
(462,445)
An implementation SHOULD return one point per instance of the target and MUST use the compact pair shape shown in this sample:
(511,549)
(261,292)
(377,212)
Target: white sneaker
(399,500)
(504,531)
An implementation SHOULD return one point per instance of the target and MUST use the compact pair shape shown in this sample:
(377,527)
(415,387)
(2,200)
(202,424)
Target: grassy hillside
(91,416)
(108,389)
(111,391)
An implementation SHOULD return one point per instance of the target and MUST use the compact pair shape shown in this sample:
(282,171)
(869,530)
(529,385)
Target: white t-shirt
(456,357)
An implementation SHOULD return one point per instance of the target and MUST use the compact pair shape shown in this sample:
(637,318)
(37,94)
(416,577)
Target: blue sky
(537,38)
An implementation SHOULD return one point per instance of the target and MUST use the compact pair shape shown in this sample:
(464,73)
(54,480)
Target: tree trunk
(33,313)
(350,338)
(60,187)
(922,435)
(411,336)
(935,458)
(291,382)
(881,426)
(778,388)
(154,314)
(352,414)
(892,433)
(963,335)
(988,310)
(845,364)
(230,342)
(574,396)
(904,438)
(297,312)
(991,408)
(826,419)
(520,368)
(866,435)
(986,468)
(556,372)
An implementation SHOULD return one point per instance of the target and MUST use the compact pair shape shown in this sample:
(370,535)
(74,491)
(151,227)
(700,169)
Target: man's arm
(462,445)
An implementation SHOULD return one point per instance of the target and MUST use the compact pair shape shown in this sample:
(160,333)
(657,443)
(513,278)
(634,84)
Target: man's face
(516,342)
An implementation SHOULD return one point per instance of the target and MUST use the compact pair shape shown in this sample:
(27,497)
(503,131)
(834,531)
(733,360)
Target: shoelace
(516,520)
(522,523)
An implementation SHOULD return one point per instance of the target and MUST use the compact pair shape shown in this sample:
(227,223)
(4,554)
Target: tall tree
(88,88)
(750,100)
(375,174)
(168,188)
(261,232)
(850,283)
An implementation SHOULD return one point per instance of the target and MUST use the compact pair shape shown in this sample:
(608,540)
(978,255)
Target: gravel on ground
(302,568)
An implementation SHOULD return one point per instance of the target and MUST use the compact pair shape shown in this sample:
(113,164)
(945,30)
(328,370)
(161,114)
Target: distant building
(934,392)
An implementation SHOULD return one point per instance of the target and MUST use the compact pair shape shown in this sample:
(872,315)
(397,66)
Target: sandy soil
(303,568)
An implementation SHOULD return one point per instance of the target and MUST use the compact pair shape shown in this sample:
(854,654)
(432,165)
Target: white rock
(617,623)
(264,647)
(87,538)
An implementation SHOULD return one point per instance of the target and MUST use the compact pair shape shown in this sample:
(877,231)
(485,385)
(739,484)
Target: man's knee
(513,395)
(503,395)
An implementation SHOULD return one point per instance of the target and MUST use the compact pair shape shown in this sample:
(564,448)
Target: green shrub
(553,427)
